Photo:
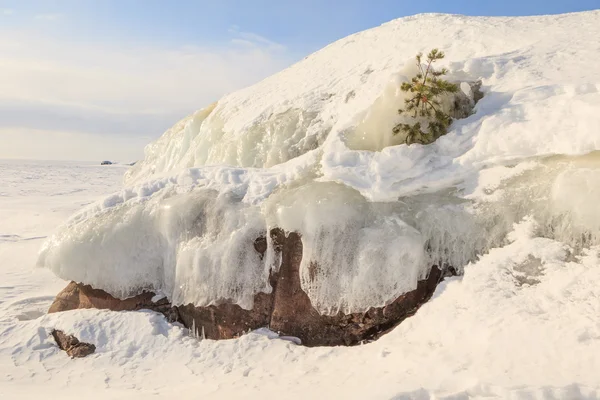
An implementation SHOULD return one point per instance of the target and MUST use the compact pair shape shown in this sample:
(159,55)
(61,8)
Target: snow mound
(520,324)
(310,149)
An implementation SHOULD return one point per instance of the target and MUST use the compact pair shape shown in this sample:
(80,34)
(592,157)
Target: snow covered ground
(509,197)
(489,334)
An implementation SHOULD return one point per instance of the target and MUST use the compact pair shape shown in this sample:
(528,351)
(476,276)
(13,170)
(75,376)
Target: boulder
(81,296)
(72,345)
(465,99)
(286,310)
(227,320)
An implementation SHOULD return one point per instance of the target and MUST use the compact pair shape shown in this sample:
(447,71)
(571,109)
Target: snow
(509,197)
(520,324)
(162,232)
(317,138)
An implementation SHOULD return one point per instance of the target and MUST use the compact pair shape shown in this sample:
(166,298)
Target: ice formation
(310,150)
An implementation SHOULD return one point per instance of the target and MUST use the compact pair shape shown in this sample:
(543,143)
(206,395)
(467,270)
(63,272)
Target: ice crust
(310,150)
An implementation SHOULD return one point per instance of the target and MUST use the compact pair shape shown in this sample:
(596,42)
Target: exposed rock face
(294,315)
(72,345)
(227,320)
(80,296)
(464,103)
(287,309)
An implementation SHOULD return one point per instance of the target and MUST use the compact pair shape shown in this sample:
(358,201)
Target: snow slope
(290,146)
(509,197)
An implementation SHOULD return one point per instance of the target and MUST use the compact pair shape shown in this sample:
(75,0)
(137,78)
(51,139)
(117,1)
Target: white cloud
(6,11)
(260,40)
(24,143)
(112,91)
(253,39)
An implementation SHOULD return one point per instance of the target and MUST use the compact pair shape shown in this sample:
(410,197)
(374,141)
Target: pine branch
(427,86)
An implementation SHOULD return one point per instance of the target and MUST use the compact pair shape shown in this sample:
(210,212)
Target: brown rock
(80,296)
(294,315)
(260,245)
(287,309)
(463,105)
(228,320)
(72,345)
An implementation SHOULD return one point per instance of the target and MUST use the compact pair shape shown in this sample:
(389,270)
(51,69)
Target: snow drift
(310,150)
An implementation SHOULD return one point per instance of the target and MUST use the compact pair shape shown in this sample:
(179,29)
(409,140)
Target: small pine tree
(427,87)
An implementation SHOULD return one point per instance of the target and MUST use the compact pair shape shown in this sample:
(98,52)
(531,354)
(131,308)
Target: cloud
(253,39)
(43,115)
(6,11)
(61,145)
(110,91)
(260,40)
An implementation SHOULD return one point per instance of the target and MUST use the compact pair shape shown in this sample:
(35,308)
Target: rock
(80,296)
(260,245)
(72,345)
(448,271)
(465,99)
(227,320)
(294,315)
(286,310)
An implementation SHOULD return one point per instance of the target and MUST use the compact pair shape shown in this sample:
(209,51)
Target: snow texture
(310,149)
(522,323)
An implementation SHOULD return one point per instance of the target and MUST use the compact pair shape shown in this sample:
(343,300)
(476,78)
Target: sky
(94,80)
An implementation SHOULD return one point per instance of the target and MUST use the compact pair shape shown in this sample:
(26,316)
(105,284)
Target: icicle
(193,332)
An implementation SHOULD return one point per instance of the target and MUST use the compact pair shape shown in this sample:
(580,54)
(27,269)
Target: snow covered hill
(509,197)
(289,153)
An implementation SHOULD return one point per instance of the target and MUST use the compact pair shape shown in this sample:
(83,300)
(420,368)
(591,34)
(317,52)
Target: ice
(213,260)
(191,246)
(576,193)
(311,150)
(356,254)
(196,244)
(203,140)
(190,236)
(374,131)
(559,192)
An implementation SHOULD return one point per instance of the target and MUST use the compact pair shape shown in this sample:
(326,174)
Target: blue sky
(99,79)
(303,26)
